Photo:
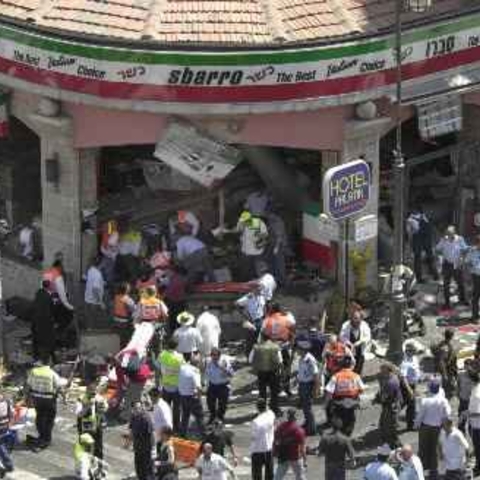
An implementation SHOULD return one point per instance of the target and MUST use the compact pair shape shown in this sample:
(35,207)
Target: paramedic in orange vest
(279,326)
(333,354)
(151,308)
(62,308)
(343,395)
(123,309)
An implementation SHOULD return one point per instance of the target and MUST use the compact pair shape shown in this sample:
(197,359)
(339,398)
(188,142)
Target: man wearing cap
(411,374)
(308,385)
(188,338)
(289,448)
(253,243)
(379,469)
(343,395)
(432,412)
(452,248)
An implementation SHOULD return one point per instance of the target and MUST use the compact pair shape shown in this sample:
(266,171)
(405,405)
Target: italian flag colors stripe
(4,123)
(314,249)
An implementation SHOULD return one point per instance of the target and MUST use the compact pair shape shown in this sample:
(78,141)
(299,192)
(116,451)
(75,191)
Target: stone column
(362,139)
(63,201)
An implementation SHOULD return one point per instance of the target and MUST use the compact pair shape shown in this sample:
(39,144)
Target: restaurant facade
(92,124)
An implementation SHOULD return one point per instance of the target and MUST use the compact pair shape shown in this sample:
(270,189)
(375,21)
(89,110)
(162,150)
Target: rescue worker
(357,333)
(170,362)
(445,362)
(87,465)
(6,418)
(91,411)
(279,326)
(266,361)
(253,244)
(123,310)
(389,397)
(343,396)
(333,355)
(42,388)
(151,308)
(308,385)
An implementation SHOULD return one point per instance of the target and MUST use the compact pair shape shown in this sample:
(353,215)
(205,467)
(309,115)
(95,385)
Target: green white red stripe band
(234,77)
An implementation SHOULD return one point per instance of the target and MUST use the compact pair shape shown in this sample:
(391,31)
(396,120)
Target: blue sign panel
(346,189)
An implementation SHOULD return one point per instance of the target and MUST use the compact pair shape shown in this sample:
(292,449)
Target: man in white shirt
(380,469)
(411,467)
(452,248)
(193,255)
(411,374)
(253,243)
(263,429)
(95,285)
(161,413)
(190,390)
(453,451)
(210,330)
(188,338)
(474,419)
(211,466)
(430,416)
(357,333)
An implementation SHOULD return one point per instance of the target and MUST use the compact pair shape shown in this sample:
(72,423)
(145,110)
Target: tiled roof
(214,21)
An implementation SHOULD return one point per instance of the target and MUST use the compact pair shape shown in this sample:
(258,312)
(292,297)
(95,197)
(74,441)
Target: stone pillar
(362,139)
(63,201)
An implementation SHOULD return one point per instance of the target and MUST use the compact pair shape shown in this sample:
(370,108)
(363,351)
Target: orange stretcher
(186,451)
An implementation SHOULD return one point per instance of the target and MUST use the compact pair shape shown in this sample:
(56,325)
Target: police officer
(91,418)
(343,395)
(6,416)
(42,388)
(170,362)
(308,385)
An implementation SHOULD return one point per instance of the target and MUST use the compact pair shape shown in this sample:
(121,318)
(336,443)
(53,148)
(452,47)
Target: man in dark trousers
(141,435)
(445,362)
(43,327)
(420,231)
(337,449)
(266,360)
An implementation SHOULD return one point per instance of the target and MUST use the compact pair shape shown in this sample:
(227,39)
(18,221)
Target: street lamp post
(398,299)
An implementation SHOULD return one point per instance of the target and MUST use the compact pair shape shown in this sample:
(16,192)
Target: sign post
(346,192)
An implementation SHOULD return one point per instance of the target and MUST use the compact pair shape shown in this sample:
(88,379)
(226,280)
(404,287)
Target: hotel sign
(229,77)
(346,189)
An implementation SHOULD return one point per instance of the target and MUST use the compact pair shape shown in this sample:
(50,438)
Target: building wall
(19,278)
(318,130)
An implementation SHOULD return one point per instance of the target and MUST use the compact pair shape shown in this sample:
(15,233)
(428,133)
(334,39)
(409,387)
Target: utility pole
(398,299)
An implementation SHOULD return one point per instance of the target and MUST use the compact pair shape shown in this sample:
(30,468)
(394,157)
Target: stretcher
(219,293)
(139,342)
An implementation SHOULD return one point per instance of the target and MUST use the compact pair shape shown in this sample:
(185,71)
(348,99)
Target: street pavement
(56,463)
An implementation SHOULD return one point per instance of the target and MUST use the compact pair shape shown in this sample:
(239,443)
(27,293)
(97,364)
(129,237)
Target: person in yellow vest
(151,308)
(169,362)
(91,409)
(253,244)
(42,388)
(87,465)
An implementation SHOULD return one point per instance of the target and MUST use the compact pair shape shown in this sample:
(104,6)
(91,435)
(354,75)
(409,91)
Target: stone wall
(19,278)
